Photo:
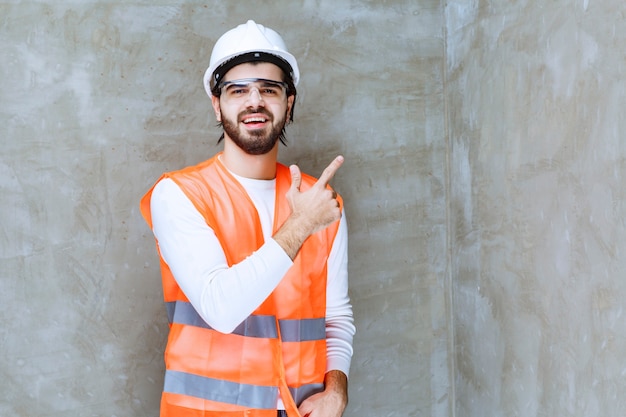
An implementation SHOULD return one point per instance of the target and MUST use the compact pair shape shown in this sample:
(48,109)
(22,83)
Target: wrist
(336,383)
(291,235)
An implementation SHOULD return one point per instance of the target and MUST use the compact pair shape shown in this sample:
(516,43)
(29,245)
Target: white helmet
(261,43)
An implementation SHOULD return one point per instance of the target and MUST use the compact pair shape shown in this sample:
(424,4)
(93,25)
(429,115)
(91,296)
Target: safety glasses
(270,91)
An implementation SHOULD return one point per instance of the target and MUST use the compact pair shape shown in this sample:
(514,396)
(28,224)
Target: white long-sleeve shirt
(224,296)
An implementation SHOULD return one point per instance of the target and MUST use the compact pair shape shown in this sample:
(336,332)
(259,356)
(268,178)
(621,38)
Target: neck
(258,167)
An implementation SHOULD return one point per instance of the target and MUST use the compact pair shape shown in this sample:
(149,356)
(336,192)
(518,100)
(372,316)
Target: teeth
(255,119)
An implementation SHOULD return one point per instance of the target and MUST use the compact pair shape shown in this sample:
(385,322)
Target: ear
(215,102)
(290,101)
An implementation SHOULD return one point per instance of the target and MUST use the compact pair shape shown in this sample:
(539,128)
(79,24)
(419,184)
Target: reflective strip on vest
(305,391)
(245,395)
(302,330)
(170,307)
(254,326)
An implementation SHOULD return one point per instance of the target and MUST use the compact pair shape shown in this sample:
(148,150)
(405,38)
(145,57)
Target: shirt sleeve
(222,296)
(340,327)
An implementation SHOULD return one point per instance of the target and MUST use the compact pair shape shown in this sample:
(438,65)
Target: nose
(254,97)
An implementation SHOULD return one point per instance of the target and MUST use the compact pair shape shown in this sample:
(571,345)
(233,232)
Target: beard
(258,141)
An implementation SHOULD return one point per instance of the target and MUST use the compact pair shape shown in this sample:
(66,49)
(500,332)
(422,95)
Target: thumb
(296,177)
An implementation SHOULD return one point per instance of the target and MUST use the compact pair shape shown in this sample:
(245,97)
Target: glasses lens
(240,90)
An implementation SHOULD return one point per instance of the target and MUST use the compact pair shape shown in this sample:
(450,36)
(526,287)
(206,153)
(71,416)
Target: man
(253,255)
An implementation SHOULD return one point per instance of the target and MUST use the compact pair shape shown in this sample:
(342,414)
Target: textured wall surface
(98,98)
(536,99)
(499,184)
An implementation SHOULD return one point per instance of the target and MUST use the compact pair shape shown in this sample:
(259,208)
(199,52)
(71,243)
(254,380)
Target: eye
(270,91)
(237,90)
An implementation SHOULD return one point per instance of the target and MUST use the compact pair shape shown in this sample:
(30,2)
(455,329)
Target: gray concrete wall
(98,98)
(536,96)
(486,211)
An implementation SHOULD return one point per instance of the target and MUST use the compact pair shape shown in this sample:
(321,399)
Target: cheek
(280,111)
(222,114)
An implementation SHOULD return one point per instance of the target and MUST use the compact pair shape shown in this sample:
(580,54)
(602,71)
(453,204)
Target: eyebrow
(243,81)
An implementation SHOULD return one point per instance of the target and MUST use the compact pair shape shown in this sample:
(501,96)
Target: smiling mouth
(255,120)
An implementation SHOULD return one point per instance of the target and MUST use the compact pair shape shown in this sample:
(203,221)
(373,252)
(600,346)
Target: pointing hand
(312,210)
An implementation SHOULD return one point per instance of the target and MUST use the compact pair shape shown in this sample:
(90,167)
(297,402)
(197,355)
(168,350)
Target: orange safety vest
(281,347)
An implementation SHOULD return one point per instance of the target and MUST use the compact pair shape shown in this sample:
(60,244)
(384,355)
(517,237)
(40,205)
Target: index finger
(330,170)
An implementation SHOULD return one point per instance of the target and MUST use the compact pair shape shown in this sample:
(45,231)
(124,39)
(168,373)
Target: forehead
(254,70)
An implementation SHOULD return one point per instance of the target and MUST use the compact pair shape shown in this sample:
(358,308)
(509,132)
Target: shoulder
(194,170)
